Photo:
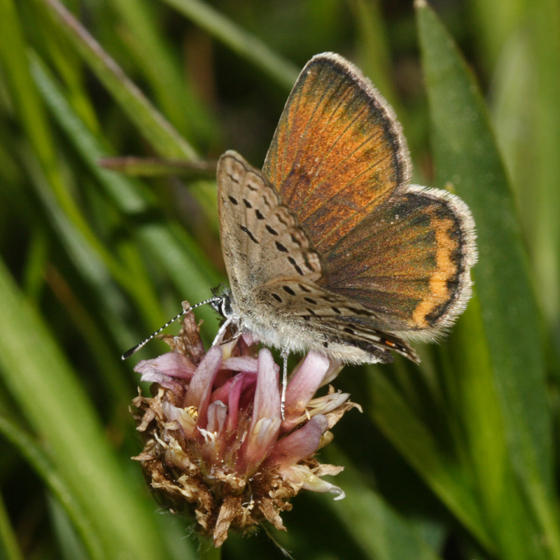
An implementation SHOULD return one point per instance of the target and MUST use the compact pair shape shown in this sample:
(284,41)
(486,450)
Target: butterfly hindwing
(410,261)
(332,321)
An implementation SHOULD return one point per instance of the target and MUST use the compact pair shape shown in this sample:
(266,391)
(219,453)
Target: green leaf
(466,155)
(42,465)
(46,389)
(178,254)
(9,549)
(239,40)
(380,531)
(155,128)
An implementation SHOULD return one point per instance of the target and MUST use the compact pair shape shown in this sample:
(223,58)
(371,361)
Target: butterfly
(329,247)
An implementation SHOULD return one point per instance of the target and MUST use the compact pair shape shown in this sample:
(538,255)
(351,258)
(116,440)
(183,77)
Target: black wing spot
(295,240)
(276,297)
(358,311)
(259,214)
(336,309)
(325,344)
(251,187)
(310,300)
(247,203)
(293,262)
(250,234)
(348,330)
(281,247)
(304,288)
(310,311)
(271,230)
(307,263)
(288,290)
(233,200)
(306,317)
(234,179)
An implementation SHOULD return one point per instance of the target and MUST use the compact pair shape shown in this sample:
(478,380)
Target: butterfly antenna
(137,347)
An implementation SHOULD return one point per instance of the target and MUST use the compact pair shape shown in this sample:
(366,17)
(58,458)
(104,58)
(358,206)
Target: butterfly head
(222,302)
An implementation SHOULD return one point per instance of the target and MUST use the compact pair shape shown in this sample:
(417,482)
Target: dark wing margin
(409,262)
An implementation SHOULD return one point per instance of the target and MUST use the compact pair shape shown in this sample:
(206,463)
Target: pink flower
(215,438)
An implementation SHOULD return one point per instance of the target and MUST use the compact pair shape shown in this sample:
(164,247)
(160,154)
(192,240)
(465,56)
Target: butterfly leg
(221,331)
(284,353)
(232,338)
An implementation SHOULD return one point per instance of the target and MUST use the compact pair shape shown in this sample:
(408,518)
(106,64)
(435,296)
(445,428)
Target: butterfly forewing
(338,151)
(260,237)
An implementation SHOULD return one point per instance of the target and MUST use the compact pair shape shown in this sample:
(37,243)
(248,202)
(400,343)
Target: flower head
(215,437)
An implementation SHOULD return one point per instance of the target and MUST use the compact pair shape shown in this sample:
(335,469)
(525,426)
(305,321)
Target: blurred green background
(455,459)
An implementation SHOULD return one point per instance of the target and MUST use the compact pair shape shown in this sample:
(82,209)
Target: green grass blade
(442,471)
(496,22)
(377,529)
(154,127)
(177,253)
(373,50)
(466,154)
(42,465)
(545,25)
(84,258)
(31,111)
(55,194)
(9,549)
(473,398)
(155,58)
(240,41)
(525,87)
(56,406)
(71,548)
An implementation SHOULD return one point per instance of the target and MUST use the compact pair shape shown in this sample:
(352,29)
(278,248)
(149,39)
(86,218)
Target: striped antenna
(135,349)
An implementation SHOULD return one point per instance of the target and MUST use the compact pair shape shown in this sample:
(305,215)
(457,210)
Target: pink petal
(299,444)
(241,363)
(266,420)
(200,387)
(164,381)
(305,381)
(267,395)
(240,383)
(223,391)
(171,364)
